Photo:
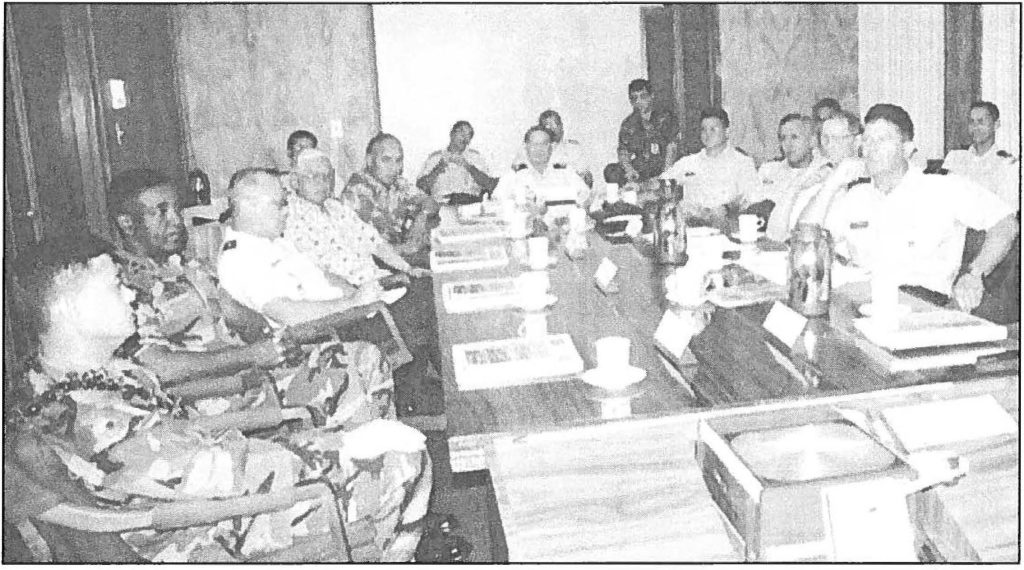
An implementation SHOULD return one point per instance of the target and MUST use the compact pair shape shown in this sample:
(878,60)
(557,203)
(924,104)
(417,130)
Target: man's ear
(908,149)
(125,225)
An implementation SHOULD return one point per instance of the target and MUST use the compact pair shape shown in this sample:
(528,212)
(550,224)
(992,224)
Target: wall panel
(779,59)
(252,74)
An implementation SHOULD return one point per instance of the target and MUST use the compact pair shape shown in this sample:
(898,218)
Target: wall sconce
(118,95)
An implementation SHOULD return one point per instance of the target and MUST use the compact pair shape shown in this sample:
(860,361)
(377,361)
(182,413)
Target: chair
(62,522)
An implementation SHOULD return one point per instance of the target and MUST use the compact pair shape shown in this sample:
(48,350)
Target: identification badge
(858,225)
(655,148)
(605,273)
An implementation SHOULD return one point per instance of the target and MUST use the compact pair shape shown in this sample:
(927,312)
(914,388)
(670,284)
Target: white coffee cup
(611,193)
(885,297)
(630,197)
(534,284)
(534,325)
(612,352)
(537,248)
(518,223)
(750,225)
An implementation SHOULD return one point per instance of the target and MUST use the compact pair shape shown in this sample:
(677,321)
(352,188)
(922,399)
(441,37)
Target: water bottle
(199,184)
(670,226)
(810,270)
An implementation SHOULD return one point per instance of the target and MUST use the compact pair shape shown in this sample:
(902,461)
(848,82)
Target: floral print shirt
(334,238)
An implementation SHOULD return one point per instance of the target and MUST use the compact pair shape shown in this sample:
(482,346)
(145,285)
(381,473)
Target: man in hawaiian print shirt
(400,211)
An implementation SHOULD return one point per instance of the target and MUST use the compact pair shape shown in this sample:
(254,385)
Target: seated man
(782,180)
(983,163)
(912,225)
(540,183)
(297,142)
(717,179)
(647,139)
(403,214)
(265,272)
(457,169)
(563,151)
(177,299)
(329,232)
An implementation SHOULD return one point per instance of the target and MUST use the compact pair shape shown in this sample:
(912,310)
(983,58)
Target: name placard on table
(605,274)
(468,259)
(479,294)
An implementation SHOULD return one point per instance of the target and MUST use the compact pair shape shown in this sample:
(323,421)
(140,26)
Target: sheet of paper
(605,273)
(868,522)
(935,424)
(785,323)
(674,333)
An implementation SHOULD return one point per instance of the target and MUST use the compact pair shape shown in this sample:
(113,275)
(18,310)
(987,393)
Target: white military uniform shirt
(567,152)
(917,229)
(558,183)
(782,184)
(999,174)
(256,270)
(713,181)
(454,179)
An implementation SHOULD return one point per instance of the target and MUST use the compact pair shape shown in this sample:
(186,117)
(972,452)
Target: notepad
(935,424)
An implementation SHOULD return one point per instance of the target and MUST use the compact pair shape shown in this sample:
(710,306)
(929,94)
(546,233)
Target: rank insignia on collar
(559,166)
(229,245)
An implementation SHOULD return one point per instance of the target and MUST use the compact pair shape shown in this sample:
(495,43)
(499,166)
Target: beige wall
(252,74)
(780,59)
(499,67)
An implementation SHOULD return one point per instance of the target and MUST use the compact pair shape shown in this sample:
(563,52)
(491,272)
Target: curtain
(902,62)
(1000,69)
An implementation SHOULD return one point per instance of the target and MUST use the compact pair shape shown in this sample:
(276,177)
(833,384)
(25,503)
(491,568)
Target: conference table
(577,484)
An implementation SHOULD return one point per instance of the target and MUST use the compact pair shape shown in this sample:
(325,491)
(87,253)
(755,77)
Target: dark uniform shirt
(646,142)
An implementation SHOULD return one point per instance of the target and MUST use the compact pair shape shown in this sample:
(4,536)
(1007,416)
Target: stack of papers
(480,295)
(467,233)
(445,260)
(515,361)
(936,424)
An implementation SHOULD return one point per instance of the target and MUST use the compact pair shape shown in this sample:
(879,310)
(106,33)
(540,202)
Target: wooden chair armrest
(324,327)
(179,514)
(250,420)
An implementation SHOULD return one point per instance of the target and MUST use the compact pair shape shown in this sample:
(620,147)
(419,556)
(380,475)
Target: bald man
(265,272)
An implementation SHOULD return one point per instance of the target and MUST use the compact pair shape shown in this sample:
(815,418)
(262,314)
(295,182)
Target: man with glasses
(647,139)
(912,224)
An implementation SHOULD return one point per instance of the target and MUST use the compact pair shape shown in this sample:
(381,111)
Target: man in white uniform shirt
(457,169)
(912,224)
(263,271)
(563,151)
(782,180)
(541,183)
(984,163)
(717,178)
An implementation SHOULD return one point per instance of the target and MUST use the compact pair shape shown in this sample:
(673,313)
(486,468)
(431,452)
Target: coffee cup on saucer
(613,371)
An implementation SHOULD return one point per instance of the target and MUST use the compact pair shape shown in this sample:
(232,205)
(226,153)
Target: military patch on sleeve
(229,245)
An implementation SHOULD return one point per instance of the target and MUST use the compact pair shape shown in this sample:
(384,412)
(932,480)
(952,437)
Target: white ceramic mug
(534,325)
(750,225)
(537,249)
(612,352)
(534,284)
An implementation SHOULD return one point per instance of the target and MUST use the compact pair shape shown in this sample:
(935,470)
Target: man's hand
(968,291)
(375,438)
(457,159)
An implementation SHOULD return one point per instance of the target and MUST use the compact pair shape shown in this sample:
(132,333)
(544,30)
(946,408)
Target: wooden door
(133,44)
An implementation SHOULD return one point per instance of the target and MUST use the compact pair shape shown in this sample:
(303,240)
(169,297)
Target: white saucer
(868,310)
(537,304)
(613,378)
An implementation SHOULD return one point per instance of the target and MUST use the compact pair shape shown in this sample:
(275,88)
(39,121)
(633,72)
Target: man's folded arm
(291,312)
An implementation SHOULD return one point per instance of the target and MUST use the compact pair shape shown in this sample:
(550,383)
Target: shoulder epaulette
(559,166)
(741,151)
(229,245)
(518,167)
(859,181)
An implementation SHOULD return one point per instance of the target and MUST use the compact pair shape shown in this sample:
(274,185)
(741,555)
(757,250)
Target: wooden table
(587,314)
(631,490)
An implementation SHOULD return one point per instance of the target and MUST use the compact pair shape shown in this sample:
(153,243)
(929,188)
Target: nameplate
(605,274)
(785,324)
(673,334)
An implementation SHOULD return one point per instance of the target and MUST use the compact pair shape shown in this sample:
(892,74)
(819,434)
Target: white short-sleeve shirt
(917,229)
(558,183)
(995,170)
(256,270)
(454,179)
(713,181)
